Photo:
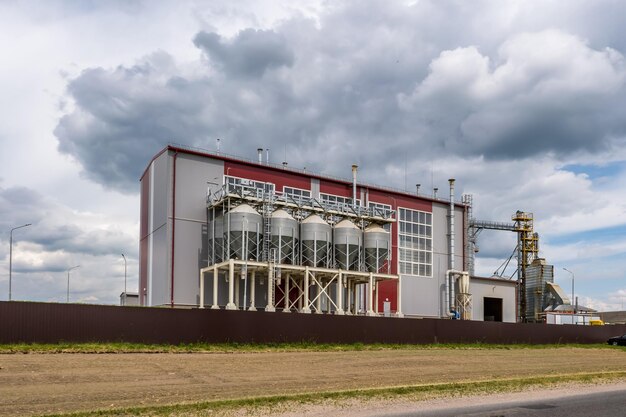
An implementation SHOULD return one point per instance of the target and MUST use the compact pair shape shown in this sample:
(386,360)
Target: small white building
(129,299)
(493,299)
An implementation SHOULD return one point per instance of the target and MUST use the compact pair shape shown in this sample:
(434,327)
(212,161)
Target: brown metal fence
(53,323)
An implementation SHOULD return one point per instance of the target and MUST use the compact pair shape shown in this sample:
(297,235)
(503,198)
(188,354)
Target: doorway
(492,308)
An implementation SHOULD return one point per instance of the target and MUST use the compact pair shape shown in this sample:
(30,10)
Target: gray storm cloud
(401,83)
(249,54)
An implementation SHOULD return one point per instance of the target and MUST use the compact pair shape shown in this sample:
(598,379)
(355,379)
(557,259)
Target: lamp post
(565,269)
(11,255)
(124,277)
(68,282)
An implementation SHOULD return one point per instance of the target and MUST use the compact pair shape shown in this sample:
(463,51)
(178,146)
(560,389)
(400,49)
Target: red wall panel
(337,188)
(265,174)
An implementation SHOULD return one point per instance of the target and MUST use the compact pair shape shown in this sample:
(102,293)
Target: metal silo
(537,274)
(348,241)
(244,233)
(376,244)
(284,237)
(315,236)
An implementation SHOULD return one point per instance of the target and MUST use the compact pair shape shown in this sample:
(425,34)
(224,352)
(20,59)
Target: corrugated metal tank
(537,274)
(376,245)
(244,220)
(284,237)
(348,241)
(315,236)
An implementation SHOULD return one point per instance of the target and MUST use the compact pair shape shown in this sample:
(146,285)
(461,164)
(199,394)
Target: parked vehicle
(617,340)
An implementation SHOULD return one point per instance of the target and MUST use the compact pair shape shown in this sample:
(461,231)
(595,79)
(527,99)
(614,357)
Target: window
(243,185)
(335,200)
(296,193)
(415,242)
(380,209)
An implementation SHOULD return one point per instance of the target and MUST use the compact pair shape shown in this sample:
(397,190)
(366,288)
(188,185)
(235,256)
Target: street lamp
(11,254)
(565,269)
(68,282)
(124,277)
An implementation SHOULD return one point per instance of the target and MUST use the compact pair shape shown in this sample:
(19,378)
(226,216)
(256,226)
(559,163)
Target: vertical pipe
(370,298)
(237,292)
(451,251)
(173,227)
(270,289)
(306,308)
(318,294)
(252,291)
(260,155)
(201,288)
(417,189)
(267,156)
(339,295)
(286,308)
(354,169)
(231,284)
(215,283)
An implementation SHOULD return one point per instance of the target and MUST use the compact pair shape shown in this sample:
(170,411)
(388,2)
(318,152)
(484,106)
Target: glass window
(246,186)
(297,193)
(415,241)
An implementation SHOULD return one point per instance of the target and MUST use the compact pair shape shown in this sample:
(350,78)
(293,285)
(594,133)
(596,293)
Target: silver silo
(376,244)
(315,236)
(348,241)
(284,237)
(244,233)
(537,274)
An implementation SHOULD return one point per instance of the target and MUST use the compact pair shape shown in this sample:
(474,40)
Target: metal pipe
(67,300)
(450,273)
(417,189)
(435,192)
(451,251)
(11,254)
(124,278)
(173,227)
(354,169)
(260,155)
(267,155)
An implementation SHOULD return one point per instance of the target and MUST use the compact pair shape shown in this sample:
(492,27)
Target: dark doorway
(492,308)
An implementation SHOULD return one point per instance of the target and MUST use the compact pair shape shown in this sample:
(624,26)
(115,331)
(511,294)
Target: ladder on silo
(267,226)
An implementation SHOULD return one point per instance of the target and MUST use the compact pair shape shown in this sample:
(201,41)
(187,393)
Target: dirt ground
(34,384)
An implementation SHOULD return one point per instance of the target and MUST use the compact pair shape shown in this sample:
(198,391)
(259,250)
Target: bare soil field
(35,384)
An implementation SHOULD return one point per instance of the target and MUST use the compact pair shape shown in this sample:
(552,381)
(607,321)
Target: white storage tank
(348,241)
(376,244)
(315,235)
(284,237)
(244,226)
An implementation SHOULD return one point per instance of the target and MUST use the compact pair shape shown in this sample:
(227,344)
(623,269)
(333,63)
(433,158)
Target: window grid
(415,242)
(297,193)
(338,200)
(235,184)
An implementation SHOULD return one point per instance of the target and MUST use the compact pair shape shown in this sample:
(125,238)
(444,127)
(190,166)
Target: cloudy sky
(523,102)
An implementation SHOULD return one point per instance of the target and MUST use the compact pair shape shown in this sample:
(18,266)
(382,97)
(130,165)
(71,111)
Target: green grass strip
(265,347)
(409,392)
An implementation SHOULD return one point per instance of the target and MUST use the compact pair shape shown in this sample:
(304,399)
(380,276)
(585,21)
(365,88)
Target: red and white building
(181,188)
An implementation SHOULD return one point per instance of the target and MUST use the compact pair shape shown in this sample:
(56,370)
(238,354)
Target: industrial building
(219,231)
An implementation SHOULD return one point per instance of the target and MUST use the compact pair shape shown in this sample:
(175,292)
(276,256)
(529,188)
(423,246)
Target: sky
(523,102)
